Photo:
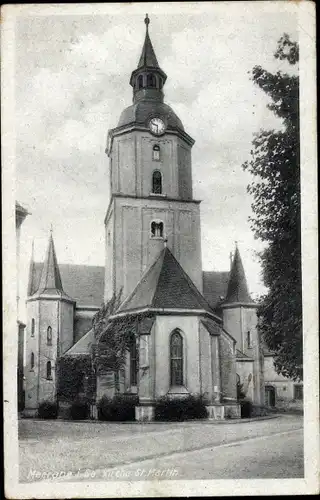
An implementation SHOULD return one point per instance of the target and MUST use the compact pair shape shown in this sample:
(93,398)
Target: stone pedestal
(215,412)
(232,410)
(144,413)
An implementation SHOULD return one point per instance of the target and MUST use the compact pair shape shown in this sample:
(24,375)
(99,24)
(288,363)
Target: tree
(275,165)
(113,339)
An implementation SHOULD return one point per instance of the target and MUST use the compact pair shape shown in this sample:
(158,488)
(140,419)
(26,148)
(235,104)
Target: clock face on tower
(157,126)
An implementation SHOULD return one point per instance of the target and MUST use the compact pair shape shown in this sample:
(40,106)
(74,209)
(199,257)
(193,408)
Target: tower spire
(148,78)
(50,277)
(148,57)
(237,286)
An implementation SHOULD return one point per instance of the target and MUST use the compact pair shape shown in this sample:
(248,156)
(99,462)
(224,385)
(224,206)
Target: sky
(72,72)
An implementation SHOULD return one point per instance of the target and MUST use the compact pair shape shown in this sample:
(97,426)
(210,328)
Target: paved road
(199,450)
(275,456)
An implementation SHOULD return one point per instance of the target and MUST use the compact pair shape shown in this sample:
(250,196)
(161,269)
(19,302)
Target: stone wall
(227,367)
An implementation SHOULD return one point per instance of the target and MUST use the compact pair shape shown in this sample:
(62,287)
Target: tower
(150,184)
(241,321)
(49,331)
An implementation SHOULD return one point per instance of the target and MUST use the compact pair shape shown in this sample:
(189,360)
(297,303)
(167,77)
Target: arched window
(156,229)
(133,361)
(49,335)
(176,359)
(151,80)
(140,82)
(32,361)
(157,182)
(33,326)
(49,375)
(156,152)
(249,339)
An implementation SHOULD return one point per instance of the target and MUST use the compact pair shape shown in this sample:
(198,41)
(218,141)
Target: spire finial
(147,21)
(165,241)
(51,229)
(231,259)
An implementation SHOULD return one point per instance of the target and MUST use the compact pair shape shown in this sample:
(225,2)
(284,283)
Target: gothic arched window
(249,339)
(33,325)
(156,152)
(151,80)
(140,82)
(176,359)
(157,182)
(156,229)
(133,361)
(49,335)
(32,361)
(49,374)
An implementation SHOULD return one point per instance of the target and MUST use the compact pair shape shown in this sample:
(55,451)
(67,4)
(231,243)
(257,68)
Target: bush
(176,409)
(48,409)
(246,408)
(120,408)
(259,411)
(80,410)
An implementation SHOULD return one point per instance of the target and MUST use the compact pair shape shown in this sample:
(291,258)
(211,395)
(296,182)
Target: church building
(195,331)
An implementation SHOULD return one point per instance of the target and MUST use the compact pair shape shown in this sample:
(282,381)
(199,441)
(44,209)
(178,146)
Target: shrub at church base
(188,408)
(120,408)
(80,409)
(47,410)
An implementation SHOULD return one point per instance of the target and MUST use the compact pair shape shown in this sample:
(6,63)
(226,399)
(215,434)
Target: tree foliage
(113,338)
(275,165)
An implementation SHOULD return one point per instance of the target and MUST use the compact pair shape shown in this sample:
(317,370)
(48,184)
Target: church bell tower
(151,201)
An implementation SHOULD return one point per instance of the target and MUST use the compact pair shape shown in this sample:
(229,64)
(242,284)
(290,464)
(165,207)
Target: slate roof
(211,326)
(237,287)
(148,57)
(50,275)
(165,285)
(83,346)
(241,355)
(85,284)
(215,285)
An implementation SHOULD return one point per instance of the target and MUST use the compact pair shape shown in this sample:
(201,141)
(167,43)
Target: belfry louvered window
(176,359)
(151,80)
(156,229)
(140,82)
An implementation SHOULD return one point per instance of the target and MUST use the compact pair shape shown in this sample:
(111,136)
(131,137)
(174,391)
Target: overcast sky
(72,82)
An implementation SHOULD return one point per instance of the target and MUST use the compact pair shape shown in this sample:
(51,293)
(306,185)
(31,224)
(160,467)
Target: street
(277,456)
(100,451)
